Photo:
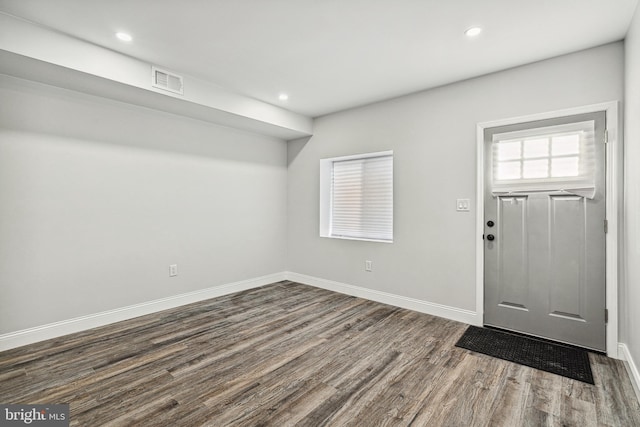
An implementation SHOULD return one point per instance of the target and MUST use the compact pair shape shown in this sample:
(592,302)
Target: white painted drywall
(99,197)
(630,295)
(81,61)
(432,135)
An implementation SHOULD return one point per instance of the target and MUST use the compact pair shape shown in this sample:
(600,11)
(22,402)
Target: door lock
(491,237)
(490,223)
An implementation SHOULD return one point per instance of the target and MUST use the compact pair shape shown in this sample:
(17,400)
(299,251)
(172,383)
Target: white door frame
(613,208)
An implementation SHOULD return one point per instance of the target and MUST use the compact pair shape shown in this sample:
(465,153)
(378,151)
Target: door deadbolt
(490,223)
(490,237)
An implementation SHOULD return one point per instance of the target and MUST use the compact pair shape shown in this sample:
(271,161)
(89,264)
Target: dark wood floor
(289,354)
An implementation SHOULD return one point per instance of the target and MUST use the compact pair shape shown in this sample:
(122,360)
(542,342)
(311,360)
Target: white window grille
(554,158)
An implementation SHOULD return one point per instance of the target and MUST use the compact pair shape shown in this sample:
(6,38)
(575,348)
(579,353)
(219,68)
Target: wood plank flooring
(289,354)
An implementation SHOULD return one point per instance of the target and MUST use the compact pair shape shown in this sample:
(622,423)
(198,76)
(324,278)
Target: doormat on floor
(558,359)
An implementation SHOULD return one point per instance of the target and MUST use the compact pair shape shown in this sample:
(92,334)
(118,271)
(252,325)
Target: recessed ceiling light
(283,97)
(473,31)
(124,37)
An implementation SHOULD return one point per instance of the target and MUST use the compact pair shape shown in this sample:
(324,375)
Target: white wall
(631,292)
(37,53)
(432,134)
(99,197)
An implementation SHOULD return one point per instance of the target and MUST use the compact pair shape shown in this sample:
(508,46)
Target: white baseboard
(452,313)
(69,326)
(632,368)
(65,327)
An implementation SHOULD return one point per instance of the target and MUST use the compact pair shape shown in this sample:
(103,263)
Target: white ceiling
(329,55)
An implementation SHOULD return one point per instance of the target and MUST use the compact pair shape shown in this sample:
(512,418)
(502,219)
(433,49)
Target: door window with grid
(554,158)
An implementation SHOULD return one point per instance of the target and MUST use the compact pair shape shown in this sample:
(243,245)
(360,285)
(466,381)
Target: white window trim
(326,166)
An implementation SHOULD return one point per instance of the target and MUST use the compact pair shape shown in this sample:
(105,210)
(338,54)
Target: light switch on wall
(462,205)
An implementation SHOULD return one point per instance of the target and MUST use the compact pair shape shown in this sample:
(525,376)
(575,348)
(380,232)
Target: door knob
(490,223)
(490,237)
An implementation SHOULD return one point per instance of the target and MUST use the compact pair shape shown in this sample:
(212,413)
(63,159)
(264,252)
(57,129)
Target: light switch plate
(462,205)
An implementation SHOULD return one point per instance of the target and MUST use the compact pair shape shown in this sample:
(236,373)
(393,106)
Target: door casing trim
(614,197)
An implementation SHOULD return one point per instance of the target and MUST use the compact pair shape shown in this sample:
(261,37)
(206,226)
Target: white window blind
(360,203)
(554,158)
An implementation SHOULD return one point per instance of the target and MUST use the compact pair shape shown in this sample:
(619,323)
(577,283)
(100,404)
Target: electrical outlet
(173,270)
(367,266)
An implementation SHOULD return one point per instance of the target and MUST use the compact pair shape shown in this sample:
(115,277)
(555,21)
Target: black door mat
(570,362)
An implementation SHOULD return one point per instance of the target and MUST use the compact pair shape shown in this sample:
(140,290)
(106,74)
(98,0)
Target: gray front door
(544,226)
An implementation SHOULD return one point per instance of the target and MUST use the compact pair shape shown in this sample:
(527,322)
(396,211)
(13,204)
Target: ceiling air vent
(167,81)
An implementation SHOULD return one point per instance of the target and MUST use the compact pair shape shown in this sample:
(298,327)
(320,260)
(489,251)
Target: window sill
(358,238)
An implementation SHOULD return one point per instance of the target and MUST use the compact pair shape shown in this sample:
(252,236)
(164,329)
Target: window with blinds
(358,197)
